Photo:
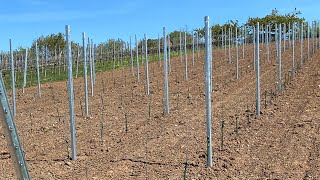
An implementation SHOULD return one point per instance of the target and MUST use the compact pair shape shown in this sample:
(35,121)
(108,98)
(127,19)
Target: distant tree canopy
(276,18)
(175,37)
(53,42)
(113,45)
(271,19)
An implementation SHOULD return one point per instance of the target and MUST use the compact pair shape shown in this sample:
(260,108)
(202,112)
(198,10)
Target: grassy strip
(52,71)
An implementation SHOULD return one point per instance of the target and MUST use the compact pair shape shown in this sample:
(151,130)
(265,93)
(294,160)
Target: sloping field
(127,135)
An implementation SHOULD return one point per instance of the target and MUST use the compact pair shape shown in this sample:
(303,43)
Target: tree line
(56,42)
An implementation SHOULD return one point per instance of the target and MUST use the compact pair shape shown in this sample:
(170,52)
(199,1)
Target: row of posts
(208,70)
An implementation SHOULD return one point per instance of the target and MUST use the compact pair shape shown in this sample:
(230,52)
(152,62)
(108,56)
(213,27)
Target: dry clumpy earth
(127,135)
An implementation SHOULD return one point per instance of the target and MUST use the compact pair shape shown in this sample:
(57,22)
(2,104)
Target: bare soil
(128,136)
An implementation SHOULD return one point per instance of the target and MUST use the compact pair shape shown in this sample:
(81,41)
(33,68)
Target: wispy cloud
(30,17)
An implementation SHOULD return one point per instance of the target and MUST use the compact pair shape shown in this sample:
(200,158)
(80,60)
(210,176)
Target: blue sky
(25,20)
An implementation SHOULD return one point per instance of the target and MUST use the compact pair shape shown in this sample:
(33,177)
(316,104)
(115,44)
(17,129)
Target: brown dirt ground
(282,144)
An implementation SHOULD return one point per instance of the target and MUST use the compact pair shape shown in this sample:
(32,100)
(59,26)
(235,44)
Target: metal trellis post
(11,134)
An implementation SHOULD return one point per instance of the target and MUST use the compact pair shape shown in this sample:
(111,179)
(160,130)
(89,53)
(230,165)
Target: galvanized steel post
(37,66)
(257,73)
(192,48)
(301,45)
(197,45)
(166,83)
(147,66)
(237,54)
(276,33)
(267,39)
(25,70)
(159,49)
(137,57)
(169,53)
(185,56)
(284,36)
(316,33)
(229,46)
(208,91)
(131,58)
(313,36)
(11,134)
(279,63)
(93,62)
(293,42)
(225,41)
(77,63)
(308,34)
(254,48)
(210,52)
(222,38)
(85,73)
(91,65)
(71,96)
(180,48)
(12,81)
(289,34)
(243,37)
